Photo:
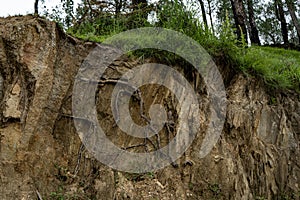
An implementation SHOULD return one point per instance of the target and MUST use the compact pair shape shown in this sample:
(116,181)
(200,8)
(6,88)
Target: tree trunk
(118,4)
(203,13)
(291,8)
(281,17)
(36,7)
(253,28)
(210,16)
(239,18)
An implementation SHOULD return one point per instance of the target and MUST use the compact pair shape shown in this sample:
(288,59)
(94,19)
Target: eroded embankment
(257,155)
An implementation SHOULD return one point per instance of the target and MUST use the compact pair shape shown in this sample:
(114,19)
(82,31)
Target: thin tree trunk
(291,8)
(254,37)
(210,16)
(203,13)
(118,4)
(239,18)
(36,7)
(272,38)
(281,17)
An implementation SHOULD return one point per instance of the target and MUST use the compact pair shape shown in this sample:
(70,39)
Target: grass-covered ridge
(279,68)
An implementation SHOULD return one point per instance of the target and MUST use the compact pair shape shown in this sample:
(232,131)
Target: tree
(36,7)
(68,6)
(291,8)
(281,17)
(224,9)
(203,13)
(239,18)
(210,15)
(267,24)
(118,7)
(254,37)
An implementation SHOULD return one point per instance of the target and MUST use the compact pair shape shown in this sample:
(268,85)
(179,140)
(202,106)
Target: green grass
(90,37)
(278,68)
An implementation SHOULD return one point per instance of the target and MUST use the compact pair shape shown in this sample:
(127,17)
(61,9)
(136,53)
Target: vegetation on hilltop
(228,39)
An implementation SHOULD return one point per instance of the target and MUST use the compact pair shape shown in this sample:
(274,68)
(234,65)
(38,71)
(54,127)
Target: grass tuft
(279,68)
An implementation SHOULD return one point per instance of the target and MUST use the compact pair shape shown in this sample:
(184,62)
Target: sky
(23,7)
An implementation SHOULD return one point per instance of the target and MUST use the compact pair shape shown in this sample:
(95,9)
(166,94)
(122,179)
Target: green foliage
(215,189)
(139,177)
(62,13)
(106,26)
(97,25)
(60,194)
(268,24)
(175,15)
(273,101)
(191,186)
(68,7)
(260,198)
(279,68)
(223,8)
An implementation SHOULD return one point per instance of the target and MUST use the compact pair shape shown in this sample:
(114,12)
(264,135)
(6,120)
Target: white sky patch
(24,7)
(16,7)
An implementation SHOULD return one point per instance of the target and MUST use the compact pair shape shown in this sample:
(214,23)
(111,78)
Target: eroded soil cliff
(41,155)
